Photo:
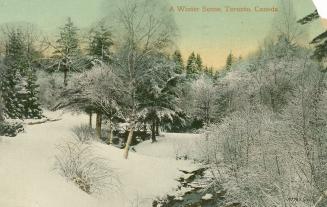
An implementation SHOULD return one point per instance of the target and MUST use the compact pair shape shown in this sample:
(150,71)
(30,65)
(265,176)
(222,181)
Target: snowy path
(27,178)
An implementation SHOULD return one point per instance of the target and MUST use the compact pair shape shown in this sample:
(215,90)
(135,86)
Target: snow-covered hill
(28,178)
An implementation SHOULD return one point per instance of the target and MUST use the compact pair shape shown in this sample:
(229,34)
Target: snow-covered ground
(173,145)
(28,178)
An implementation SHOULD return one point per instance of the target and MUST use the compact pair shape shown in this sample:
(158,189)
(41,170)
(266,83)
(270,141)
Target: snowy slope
(27,178)
(26,174)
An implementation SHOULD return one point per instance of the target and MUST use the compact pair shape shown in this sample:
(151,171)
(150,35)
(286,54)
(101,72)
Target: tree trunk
(129,140)
(110,135)
(65,77)
(1,114)
(90,120)
(1,109)
(98,125)
(157,128)
(153,131)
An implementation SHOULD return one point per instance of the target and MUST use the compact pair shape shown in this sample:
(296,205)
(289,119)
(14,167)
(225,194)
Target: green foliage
(309,18)
(194,65)
(67,51)
(159,91)
(10,129)
(18,85)
(319,42)
(179,63)
(100,44)
(199,62)
(32,104)
(208,71)
(68,42)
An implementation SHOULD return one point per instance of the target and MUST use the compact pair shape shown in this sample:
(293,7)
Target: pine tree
(158,94)
(15,63)
(9,95)
(229,61)
(192,66)
(208,71)
(100,44)
(319,42)
(21,96)
(178,60)
(15,81)
(67,49)
(33,107)
(199,63)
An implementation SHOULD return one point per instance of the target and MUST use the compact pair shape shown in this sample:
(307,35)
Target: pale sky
(212,35)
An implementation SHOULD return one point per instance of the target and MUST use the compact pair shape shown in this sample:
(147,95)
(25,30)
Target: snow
(28,178)
(181,192)
(172,145)
(187,176)
(207,196)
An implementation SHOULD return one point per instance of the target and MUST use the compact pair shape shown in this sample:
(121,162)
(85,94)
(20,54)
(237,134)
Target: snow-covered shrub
(84,133)
(204,99)
(50,88)
(90,173)
(11,128)
(259,162)
(270,147)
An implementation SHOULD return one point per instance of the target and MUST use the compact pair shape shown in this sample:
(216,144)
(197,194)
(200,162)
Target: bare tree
(32,36)
(105,89)
(285,23)
(144,27)
(99,89)
(204,95)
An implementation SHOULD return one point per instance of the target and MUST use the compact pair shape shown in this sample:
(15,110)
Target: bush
(84,133)
(10,129)
(90,173)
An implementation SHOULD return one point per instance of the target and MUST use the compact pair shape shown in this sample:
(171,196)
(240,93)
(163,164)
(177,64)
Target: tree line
(126,74)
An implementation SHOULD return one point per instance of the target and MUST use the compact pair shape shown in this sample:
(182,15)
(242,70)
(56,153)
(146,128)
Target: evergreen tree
(319,42)
(15,55)
(67,50)
(158,93)
(178,60)
(9,94)
(100,44)
(15,63)
(229,61)
(192,65)
(199,63)
(208,71)
(33,107)
(14,86)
